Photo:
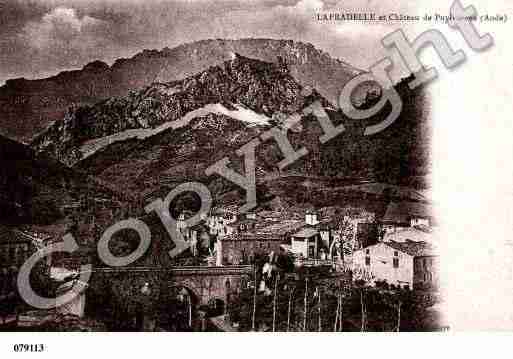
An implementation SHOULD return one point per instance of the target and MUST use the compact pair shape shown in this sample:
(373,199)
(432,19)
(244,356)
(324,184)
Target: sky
(39,38)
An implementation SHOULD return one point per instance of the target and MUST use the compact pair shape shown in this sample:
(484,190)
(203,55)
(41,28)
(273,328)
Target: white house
(315,239)
(220,222)
(305,243)
(412,264)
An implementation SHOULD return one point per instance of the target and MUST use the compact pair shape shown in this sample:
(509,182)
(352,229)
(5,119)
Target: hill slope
(36,189)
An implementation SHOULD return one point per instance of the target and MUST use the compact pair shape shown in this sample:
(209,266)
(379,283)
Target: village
(399,248)
(261,253)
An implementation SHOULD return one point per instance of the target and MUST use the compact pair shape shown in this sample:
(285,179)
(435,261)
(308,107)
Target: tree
(392,298)
(345,237)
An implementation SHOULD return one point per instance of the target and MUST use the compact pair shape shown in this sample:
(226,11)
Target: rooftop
(401,212)
(415,234)
(415,249)
(306,232)
(283,227)
(247,237)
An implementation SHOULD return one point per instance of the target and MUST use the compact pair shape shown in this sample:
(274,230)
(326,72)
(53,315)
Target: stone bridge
(208,283)
(203,282)
(155,287)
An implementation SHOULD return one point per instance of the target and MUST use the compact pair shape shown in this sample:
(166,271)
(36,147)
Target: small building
(314,239)
(221,221)
(242,248)
(408,264)
(306,243)
(406,214)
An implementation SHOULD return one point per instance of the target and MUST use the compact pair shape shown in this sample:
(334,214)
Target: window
(396,253)
(367,251)
(396,262)
(367,261)
(424,262)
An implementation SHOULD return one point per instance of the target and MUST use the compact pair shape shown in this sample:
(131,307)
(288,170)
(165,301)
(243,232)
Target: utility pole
(399,315)
(189,307)
(290,305)
(306,304)
(274,301)
(364,310)
(335,327)
(319,310)
(254,297)
(340,316)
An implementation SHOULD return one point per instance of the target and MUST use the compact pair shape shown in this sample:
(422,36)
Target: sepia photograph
(230,166)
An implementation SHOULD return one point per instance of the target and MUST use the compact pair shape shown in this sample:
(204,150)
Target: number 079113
(19,348)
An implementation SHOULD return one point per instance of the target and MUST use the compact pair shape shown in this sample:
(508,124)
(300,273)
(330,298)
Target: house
(221,221)
(239,248)
(408,264)
(406,214)
(306,243)
(315,239)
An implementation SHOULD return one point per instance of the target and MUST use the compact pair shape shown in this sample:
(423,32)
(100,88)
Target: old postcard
(261,166)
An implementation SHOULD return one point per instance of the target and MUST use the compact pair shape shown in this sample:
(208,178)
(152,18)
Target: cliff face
(39,102)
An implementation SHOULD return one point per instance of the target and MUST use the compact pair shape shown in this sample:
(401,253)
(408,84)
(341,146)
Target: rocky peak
(259,86)
(96,66)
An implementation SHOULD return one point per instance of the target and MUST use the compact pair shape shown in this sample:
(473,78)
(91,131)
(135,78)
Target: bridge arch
(179,308)
(149,294)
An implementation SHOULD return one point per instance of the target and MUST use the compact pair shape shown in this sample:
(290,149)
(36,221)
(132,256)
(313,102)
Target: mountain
(180,126)
(247,89)
(39,102)
(152,139)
